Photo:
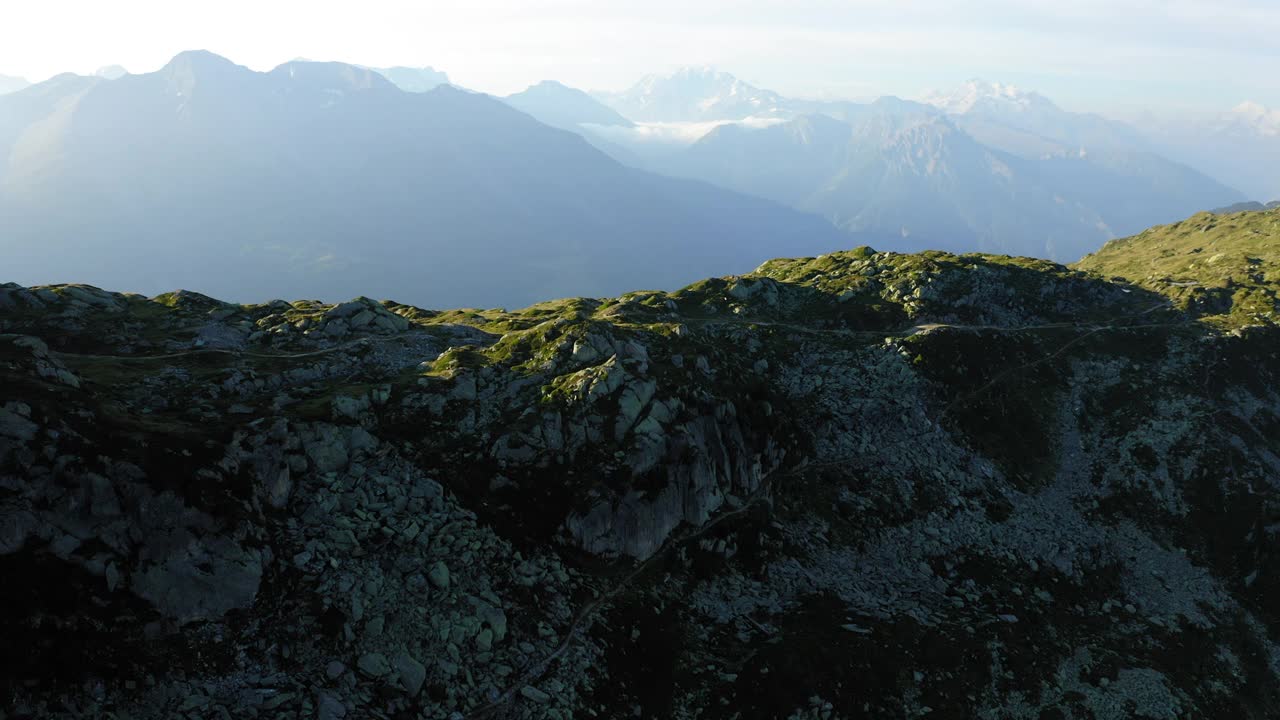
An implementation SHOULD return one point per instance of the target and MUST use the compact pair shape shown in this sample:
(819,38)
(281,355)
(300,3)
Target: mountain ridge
(692,94)
(854,464)
(1057,183)
(1242,143)
(411,79)
(561,106)
(338,182)
(896,167)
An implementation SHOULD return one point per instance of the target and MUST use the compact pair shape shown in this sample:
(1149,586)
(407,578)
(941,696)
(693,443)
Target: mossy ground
(1224,268)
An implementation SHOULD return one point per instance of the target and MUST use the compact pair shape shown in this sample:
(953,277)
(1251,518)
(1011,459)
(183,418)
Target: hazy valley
(328,180)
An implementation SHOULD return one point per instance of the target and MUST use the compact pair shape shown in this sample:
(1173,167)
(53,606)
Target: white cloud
(671,133)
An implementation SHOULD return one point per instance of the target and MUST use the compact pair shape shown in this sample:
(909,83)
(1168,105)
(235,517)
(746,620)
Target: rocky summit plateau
(858,485)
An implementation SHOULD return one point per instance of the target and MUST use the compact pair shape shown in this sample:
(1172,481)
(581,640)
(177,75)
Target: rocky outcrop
(673,461)
(838,487)
(699,465)
(31,355)
(107,518)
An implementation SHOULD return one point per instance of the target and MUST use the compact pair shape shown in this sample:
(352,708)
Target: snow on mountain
(1255,117)
(1030,125)
(694,95)
(111,72)
(1241,144)
(983,96)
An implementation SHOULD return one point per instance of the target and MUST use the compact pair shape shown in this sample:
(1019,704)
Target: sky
(1118,56)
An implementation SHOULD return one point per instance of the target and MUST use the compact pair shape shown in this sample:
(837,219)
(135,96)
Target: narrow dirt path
(922,328)
(215,351)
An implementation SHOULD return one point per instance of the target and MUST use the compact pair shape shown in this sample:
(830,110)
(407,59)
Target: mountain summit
(983,96)
(1256,117)
(693,94)
(1029,124)
(1242,143)
(561,106)
(111,72)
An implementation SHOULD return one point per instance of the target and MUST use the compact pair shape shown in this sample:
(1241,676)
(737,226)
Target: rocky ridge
(858,485)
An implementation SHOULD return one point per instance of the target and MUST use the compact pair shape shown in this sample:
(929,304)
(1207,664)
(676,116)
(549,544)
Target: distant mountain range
(987,166)
(111,72)
(1029,124)
(326,176)
(416,80)
(326,180)
(1242,143)
(564,107)
(694,95)
(1246,207)
(914,179)
(1102,164)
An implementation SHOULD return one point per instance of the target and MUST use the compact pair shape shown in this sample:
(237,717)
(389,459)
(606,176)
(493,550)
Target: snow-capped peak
(111,72)
(980,94)
(1257,116)
(700,80)
(693,94)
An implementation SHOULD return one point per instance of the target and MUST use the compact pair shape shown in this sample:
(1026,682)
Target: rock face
(858,485)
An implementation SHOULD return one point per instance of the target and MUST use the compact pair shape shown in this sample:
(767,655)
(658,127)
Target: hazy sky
(1105,55)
